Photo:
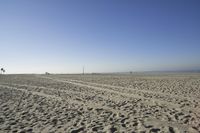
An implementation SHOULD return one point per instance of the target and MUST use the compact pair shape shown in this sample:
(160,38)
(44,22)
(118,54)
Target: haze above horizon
(102,35)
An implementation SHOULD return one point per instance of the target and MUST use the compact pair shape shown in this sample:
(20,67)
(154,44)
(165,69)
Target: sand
(137,103)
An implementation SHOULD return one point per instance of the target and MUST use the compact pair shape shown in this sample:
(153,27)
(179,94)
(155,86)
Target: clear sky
(62,36)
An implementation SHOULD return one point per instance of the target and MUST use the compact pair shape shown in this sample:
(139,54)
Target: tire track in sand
(145,100)
(131,89)
(70,101)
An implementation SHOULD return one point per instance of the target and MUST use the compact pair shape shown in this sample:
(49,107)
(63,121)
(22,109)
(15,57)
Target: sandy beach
(142,103)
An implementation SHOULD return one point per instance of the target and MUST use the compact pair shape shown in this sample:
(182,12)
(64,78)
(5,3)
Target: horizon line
(125,72)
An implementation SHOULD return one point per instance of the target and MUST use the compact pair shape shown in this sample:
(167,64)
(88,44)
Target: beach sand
(141,103)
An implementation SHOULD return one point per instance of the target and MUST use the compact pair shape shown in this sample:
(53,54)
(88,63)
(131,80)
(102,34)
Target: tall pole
(83,70)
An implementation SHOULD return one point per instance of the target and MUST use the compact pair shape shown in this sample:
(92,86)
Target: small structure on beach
(46,73)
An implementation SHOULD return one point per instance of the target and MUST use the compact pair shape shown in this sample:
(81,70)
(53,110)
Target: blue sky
(61,36)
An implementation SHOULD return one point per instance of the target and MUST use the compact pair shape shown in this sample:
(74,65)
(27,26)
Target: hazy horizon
(103,36)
